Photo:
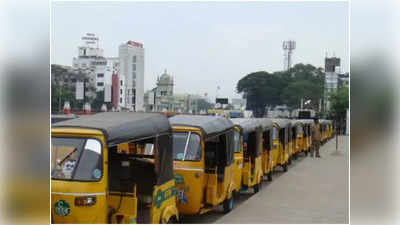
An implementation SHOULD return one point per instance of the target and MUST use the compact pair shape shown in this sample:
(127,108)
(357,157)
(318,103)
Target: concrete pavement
(313,190)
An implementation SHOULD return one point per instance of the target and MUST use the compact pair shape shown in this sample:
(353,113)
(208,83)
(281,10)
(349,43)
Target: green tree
(59,95)
(261,89)
(97,102)
(339,101)
(202,104)
(302,89)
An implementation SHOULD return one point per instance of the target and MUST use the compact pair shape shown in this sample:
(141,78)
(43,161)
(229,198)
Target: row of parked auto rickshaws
(124,167)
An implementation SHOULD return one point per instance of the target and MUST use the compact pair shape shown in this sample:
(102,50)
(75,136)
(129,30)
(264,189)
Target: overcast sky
(205,45)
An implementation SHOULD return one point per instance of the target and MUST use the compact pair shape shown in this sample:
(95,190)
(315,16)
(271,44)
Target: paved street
(312,191)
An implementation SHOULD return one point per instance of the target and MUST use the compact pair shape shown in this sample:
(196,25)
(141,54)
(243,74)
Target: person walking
(316,138)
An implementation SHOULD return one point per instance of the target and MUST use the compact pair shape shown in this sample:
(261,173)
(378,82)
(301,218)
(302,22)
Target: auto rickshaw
(297,137)
(307,139)
(282,130)
(268,148)
(323,130)
(251,154)
(330,129)
(203,149)
(95,179)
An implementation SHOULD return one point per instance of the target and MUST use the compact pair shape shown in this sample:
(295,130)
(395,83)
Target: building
(131,62)
(90,60)
(163,99)
(332,69)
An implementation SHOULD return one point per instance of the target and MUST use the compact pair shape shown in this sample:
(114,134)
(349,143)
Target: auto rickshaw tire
(256,188)
(236,194)
(269,176)
(172,220)
(228,205)
(285,167)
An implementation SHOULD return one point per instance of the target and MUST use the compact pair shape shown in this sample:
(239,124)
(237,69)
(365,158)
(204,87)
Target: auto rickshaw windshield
(186,146)
(78,159)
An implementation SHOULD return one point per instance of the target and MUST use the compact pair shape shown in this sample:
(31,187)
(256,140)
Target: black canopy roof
(266,123)
(62,117)
(120,127)
(209,125)
(247,125)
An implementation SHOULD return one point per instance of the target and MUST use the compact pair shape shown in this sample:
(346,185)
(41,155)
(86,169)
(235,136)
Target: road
(313,190)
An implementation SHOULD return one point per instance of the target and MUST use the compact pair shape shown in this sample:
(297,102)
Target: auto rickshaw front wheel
(285,167)
(269,176)
(228,204)
(256,187)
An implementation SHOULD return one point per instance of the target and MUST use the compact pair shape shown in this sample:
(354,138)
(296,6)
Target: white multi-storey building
(90,60)
(332,69)
(131,56)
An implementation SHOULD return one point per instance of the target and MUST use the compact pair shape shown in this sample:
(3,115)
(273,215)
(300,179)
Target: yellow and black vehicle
(267,147)
(283,132)
(238,158)
(113,167)
(252,152)
(330,129)
(307,139)
(297,137)
(323,126)
(203,162)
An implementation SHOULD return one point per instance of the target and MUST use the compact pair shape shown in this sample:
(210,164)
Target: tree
(97,102)
(260,89)
(263,89)
(203,104)
(302,89)
(339,101)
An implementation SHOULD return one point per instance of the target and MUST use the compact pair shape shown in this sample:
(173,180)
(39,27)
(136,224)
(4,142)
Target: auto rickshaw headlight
(85,201)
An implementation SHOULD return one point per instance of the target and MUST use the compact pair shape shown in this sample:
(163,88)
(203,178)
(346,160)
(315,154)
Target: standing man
(316,138)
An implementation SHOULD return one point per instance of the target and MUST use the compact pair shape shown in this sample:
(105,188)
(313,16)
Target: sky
(205,44)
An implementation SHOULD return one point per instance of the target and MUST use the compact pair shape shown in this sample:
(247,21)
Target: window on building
(84,65)
(120,91)
(122,82)
(100,75)
(73,80)
(134,58)
(133,75)
(134,67)
(100,84)
(120,100)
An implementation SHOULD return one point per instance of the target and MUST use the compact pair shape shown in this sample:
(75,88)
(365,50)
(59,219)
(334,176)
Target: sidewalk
(312,191)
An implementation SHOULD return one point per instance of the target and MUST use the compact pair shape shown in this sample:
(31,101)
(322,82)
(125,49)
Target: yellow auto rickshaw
(323,124)
(297,137)
(203,162)
(252,151)
(267,147)
(330,129)
(282,129)
(307,139)
(113,167)
(238,157)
